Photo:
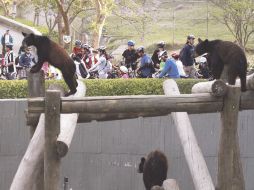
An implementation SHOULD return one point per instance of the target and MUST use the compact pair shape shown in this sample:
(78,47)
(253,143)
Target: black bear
(222,53)
(154,169)
(51,52)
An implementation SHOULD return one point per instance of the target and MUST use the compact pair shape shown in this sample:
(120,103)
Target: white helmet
(124,69)
(202,60)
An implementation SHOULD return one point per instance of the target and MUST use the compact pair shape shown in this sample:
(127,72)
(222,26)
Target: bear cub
(154,169)
(222,53)
(51,52)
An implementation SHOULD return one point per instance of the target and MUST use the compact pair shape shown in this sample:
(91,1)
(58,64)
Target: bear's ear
(206,41)
(199,40)
(24,34)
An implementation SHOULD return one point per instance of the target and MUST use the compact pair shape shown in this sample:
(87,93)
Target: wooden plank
(68,125)
(230,172)
(30,165)
(88,117)
(201,177)
(170,184)
(191,103)
(216,88)
(52,130)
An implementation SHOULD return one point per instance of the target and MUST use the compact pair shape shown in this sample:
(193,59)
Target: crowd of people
(97,63)
(92,63)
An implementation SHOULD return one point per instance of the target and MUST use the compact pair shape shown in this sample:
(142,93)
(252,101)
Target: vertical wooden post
(36,88)
(230,172)
(52,130)
(201,177)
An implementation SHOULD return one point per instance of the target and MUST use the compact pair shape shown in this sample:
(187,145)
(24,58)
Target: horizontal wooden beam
(191,103)
(33,118)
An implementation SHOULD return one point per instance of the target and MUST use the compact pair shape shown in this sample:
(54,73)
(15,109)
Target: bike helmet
(131,43)
(202,60)
(77,43)
(85,46)
(9,46)
(163,53)
(191,36)
(141,49)
(124,69)
(175,55)
(161,44)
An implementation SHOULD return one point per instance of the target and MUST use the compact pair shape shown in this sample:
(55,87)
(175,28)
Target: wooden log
(30,165)
(170,184)
(230,172)
(36,84)
(216,88)
(193,155)
(88,117)
(191,103)
(36,88)
(68,125)
(52,130)
(249,82)
(206,87)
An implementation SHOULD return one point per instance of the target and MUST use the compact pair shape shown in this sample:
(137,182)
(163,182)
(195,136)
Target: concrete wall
(105,155)
(18,26)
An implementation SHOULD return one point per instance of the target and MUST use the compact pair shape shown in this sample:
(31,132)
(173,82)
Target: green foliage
(114,87)
(42,29)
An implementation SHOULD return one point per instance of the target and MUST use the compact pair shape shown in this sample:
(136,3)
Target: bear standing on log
(154,169)
(222,53)
(51,52)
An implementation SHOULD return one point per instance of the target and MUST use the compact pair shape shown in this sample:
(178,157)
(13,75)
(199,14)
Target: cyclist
(170,69)
(146,68)
(155,57)
(103,66)
(77,51)
(130,56)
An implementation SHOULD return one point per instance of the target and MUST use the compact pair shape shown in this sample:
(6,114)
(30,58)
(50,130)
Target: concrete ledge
(18,26)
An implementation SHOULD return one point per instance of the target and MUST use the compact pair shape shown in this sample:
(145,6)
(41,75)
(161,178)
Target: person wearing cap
(155,57)
(170,69)
(179,64)
(27,60)
(9,63)
(130,56)
(187,57)
(124,72)
(6,39)
(146,68)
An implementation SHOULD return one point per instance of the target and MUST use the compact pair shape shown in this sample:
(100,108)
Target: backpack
(82,70)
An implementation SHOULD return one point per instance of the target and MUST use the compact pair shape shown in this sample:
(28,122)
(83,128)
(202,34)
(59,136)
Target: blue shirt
(146,66)
(170,70)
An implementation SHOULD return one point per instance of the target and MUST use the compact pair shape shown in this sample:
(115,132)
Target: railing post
(52,130)
(36,88)
(230,172)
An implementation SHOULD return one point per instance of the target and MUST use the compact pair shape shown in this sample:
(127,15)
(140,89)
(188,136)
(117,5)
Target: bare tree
(103,9)
(238,16)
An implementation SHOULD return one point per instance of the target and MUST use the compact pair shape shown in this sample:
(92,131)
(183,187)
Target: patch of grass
(42,29)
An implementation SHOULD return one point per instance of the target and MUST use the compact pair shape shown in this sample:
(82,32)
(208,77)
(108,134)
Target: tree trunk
(98,31)
(60,29)
(5,9)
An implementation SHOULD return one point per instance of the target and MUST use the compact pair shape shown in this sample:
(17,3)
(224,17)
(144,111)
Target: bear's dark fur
(51,52)
(154,169)
(221,53)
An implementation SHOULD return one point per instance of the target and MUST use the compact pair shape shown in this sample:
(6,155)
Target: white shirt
(7,39)
(179,65)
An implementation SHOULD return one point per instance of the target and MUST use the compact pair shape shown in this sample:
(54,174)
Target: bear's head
(201,48)
(29,40)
